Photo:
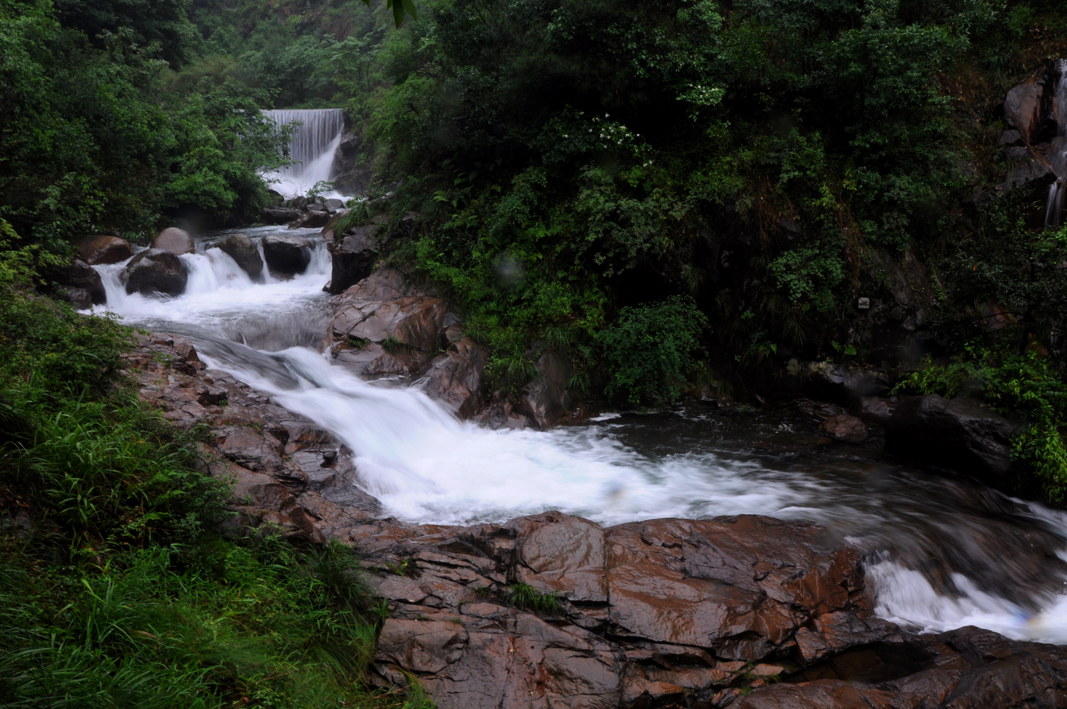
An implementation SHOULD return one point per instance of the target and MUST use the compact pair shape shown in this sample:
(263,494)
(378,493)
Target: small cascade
(1058,155)
(312,147)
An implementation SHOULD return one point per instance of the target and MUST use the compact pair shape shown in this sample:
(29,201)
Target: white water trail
(426,466)
(313,147)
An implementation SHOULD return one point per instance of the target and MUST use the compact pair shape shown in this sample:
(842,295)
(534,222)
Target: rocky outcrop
(455,378)
(103,249)
(81,285)
(311,219)
(646,611)
(545,399)
(354,257)
(960,434)
(242,250)
(968,667)
(1028,142)
(155,271)
(286,255)
(174,240)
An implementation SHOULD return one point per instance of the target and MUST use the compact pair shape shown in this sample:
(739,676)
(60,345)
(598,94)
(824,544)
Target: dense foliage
(571,157)
(93,139)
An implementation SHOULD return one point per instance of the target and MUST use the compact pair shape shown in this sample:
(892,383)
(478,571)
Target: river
(941,552)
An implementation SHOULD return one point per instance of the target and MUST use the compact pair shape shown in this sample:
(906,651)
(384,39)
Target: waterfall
(1058,155)
(312,147)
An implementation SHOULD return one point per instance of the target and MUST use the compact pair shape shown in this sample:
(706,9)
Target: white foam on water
(217,290)
(426,466)
(906,597)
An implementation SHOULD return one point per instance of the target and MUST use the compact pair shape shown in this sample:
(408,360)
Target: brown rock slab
(103,249)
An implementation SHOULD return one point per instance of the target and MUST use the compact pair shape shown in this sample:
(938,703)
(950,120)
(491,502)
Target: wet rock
(311,220)
(455,378)
(281,215)
(968,667)
(332,205)
(877,410)
(82,284)
(1025,165)
(545,399)
(174,240)
(378,332)
(844,428)
(243,250)
(99,250)
(155,272)
(1023,107)
(845,384)
(354,257)
(286,255)
(957,433)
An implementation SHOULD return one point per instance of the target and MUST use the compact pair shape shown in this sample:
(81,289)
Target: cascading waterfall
(1058,155)
(313,147)
(425,466)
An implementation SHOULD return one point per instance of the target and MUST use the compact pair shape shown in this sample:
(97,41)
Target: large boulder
(242,250)
(155,272)
(456,377)
(174,240)
(960,434)
(1023,107)
(286,255)
(313,219)
(280,215)
(354,257)
(81,285)
(104,249)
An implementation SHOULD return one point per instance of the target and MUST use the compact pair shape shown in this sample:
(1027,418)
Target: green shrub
(650,350)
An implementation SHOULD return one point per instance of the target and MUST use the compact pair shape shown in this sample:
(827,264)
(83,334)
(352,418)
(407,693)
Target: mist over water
(943,552)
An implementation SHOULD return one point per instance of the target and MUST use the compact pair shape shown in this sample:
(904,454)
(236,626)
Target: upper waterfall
(313,147)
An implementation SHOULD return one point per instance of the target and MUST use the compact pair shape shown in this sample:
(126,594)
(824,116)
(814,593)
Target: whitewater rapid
(426,466)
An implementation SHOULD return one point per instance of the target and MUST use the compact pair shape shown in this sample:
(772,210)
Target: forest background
(682,196)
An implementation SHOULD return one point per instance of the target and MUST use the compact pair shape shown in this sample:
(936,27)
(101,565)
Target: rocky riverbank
(556,611)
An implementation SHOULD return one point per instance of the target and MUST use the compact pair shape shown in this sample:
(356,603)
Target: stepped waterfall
(313,147)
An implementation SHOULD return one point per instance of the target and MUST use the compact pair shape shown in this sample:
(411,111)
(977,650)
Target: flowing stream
(942,552)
